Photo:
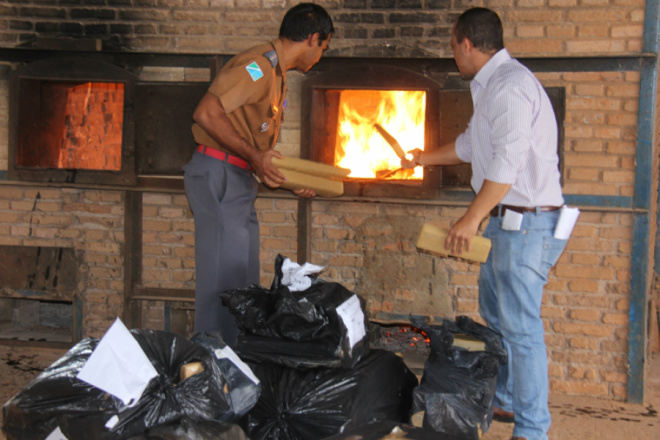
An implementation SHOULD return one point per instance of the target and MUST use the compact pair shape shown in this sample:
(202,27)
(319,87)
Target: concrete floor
(574,417)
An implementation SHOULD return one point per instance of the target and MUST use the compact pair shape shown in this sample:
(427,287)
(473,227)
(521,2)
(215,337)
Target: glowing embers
(361,148)
(76,125)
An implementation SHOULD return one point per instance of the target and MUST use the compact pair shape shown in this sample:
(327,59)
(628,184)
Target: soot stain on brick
(22,363)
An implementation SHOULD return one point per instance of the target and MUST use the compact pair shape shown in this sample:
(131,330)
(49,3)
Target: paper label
(112,421)
(228,353)
(351,314)
(118,365)
(56,435)
(296,277)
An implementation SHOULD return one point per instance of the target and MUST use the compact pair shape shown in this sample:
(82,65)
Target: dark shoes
(505,417)
(499,415)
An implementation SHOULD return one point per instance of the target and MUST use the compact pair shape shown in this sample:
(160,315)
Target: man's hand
(262,161)
(415,161)
(459,236)
(305,193)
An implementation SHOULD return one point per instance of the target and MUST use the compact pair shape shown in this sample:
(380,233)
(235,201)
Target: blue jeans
(510,293)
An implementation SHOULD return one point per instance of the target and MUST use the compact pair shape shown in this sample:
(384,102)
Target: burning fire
(362,149)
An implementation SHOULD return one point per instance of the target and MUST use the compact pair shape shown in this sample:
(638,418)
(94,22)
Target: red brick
(583,329)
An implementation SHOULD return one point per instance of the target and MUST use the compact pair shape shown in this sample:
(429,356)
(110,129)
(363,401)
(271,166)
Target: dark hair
(306,19)
(482,27)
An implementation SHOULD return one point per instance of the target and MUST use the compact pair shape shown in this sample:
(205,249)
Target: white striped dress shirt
(512,135)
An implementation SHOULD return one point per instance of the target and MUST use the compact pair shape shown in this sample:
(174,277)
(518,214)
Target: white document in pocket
(567,218)
(512,220)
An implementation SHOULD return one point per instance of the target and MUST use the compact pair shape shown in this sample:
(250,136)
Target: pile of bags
(58,404)
(307,342)
(302,369)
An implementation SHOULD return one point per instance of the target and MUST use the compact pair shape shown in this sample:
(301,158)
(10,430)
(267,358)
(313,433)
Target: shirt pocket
(264,128)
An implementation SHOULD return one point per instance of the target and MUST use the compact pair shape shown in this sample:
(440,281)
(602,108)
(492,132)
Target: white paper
(351,313)
(56,435)
(295,277)
(228,353)
(512,220)
(112,421)
(118,365)
(567,218)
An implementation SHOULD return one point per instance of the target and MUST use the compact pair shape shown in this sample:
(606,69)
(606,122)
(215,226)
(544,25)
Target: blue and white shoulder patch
(254,70)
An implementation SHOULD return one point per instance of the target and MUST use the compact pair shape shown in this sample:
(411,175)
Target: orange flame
(362,149)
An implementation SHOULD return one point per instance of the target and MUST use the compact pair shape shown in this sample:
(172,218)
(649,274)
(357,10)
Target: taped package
(432,238)
(325,180)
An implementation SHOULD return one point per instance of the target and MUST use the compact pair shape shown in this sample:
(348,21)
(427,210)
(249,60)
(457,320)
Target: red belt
(495,212)
(225,157)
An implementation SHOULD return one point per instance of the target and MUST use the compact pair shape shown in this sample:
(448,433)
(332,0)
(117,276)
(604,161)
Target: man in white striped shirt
(511,143)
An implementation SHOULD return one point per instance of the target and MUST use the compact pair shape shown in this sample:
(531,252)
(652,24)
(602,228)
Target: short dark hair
(306,19)
(482,27)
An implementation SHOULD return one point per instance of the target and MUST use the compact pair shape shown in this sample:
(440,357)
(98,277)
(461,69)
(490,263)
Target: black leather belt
(495,212)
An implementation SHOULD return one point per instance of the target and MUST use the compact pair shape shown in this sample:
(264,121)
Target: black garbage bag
(188,429)
(457,387)
(390,430)
(244,387)
(36,410)
(311,404)
(56,398)
(301,328)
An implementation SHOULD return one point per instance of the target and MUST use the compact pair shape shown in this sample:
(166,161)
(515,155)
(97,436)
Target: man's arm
(445,155)
(466,227)
(211,116)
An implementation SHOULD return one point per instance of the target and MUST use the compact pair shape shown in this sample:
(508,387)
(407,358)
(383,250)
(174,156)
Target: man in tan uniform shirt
(236,125)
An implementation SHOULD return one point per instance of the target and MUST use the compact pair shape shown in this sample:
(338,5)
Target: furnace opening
(72,120)
(74,125)
(375,128)
(364,117)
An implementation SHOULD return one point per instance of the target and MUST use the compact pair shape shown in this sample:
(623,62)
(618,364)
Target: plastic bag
(56,398)
(187,429)
(313,404)
(244,387)
(36,410)
(390,430)
(457,387)
(322,326)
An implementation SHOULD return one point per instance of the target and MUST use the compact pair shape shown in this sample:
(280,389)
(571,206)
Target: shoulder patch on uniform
(272,57)
(254,70)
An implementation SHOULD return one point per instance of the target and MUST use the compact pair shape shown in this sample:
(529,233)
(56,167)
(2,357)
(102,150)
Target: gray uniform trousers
(221,197)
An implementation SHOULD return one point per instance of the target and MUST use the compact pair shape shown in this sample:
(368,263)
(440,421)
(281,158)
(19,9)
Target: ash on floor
(400,339)
(408,341)
(19,365)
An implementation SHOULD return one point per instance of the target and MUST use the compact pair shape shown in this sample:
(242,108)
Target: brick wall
(89,221)
(600,131)
(368,247)
(404,28)
(168,242)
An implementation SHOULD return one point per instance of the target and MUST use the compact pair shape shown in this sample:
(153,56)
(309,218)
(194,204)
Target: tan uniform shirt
(252,93)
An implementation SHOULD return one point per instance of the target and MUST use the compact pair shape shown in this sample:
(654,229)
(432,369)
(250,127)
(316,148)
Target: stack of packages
(306,340)
(455,395)
(136,384)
